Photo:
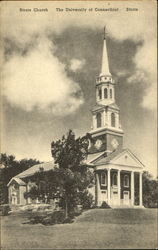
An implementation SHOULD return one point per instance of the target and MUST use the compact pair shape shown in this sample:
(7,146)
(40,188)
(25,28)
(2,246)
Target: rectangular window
(100,94)
(105,93)
(103,179)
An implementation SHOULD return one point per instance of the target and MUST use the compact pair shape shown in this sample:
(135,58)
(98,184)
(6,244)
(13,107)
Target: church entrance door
(126,197)
(14,200)
(115,198)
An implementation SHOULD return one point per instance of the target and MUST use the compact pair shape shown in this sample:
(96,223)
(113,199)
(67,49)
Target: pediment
(127,158)
(123,157)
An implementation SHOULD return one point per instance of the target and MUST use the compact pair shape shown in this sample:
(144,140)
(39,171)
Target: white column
(109,119)
(98,189)
(132,188)
(102,89)
(94,121)
(140,189)
(97,99)
(117,120)
(119,186)
(109,186)
(104,118)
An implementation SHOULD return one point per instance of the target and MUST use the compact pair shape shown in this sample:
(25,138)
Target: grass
(94,229)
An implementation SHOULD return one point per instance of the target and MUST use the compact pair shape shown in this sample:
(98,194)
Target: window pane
(98,120)
(110,93)
(100,94)
(105,93)
(103,178)
(113,120)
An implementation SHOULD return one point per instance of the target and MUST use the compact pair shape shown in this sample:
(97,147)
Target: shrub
(104,205)
(86,200)
(4,209)
(57,217)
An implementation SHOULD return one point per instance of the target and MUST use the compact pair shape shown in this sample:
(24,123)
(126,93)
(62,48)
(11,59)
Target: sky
(50,62)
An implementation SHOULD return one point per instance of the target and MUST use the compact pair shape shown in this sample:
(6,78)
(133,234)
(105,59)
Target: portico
(118,179)
(117,187)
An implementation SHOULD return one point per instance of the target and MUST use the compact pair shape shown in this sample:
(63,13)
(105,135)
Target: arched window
(98,120)
(112,120)
(114,179)
(103,179)
(105,93)
(126,181)
(110,93)
(100,93)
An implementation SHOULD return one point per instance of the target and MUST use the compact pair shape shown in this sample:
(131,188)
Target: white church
(117,170)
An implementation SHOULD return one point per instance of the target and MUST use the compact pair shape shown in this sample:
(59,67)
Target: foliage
(150,191)
(74,177)
(56,217)
(104,205)
(9,168)
(70,178)
(86,199)
(4,209)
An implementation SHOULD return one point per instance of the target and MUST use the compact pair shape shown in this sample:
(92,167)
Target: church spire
(105,64)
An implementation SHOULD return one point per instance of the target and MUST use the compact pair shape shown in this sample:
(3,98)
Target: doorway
(126,197)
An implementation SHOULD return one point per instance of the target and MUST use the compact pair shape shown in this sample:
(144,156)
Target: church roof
(94,156)
(97,106)
(31,171)
(113,105)
(117,154)
(18,180)
(108,158)
(46,166)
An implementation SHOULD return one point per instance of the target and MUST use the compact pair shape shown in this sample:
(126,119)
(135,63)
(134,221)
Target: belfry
(118,172)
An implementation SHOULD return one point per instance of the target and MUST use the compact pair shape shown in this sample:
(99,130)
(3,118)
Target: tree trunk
(66,208)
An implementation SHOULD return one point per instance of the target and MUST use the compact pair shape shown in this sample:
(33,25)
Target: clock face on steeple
(98,143)
(114,143)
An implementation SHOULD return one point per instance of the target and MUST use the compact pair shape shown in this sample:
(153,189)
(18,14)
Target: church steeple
(105,91)
(105,63)
(107,133)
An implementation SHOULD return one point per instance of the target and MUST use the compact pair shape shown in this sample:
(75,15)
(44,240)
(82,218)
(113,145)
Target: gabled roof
(120,157)
(92,157)
(108,158)
(31,171)
(18,180)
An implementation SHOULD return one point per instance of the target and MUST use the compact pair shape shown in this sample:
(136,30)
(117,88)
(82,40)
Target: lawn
(94,229)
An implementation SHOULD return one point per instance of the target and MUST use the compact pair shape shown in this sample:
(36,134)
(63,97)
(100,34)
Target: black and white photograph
(78,162)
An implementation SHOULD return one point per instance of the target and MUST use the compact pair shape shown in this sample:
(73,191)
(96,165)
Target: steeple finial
(105,64)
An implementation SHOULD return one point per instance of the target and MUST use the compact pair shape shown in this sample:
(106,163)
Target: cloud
(39,80)
(76,64)
(22,27)
(145,72)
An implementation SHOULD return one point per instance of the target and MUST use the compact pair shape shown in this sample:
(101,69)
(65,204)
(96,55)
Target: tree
(74,177)
(10,167)
(150,190)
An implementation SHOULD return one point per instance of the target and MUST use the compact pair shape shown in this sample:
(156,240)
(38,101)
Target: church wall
(22,190)
(14,192)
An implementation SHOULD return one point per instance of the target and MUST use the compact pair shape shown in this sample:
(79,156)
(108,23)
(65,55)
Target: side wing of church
(118,172)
